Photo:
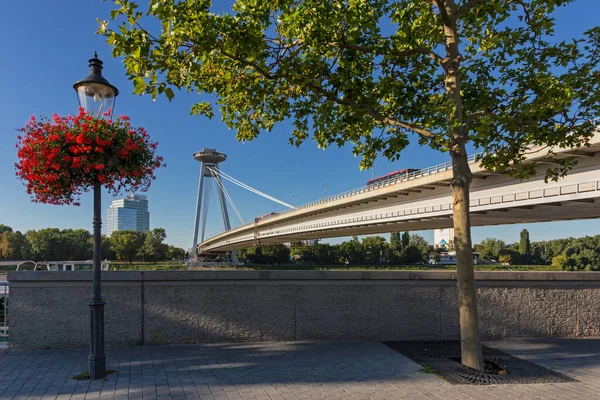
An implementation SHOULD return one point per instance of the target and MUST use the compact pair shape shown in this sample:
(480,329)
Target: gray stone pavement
(298,370)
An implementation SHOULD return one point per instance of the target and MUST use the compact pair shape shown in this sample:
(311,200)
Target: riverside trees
(52,244)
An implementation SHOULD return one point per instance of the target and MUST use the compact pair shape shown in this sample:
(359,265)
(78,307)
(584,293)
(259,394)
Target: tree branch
(478,114)
(467,6)
(403,53)
(377,116)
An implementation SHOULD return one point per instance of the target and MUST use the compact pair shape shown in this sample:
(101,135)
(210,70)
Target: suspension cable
(218,203)
(228,197)
(250,188)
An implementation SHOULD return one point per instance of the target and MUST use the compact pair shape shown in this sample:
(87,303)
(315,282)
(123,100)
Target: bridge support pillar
(209,158)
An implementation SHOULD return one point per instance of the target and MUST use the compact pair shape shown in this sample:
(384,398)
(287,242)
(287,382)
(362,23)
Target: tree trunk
(471,355)
(467,302)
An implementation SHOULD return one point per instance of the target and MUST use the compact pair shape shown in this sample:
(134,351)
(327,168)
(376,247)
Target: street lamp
(295,197)
(373,171)
(325,184)
(97,96)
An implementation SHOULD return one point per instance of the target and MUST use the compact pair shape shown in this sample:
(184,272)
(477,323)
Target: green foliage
(270,254)
(77,244)
(351,252)
(52,244)
(571,254)
(147,266)
(489,249)
(318,253)
(508,256)
(408,249)
(45,244)
(418,249)
(428,369)
(174,253)
(375,249)
(153,248)
(84,376)
(405,240)
(5,228)
(395,242)
(525,244)
(343,70)
(127,244)
(13,246)
(561,262)
(397,247)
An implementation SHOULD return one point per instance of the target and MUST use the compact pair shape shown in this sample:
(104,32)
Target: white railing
(3,312)
(392,180)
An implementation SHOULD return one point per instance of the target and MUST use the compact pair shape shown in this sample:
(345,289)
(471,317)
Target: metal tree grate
(444,356)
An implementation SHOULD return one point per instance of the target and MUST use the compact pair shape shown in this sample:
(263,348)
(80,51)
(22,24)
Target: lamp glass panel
(96,98)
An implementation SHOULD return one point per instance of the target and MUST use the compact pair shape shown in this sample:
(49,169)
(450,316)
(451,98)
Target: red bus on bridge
(401,174)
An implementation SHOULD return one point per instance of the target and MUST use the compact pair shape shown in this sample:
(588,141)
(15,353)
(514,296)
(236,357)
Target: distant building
(443,237)
(449,258)
(128,214)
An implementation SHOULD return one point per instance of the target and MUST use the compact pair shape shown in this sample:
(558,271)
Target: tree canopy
(372,73)
(52,244)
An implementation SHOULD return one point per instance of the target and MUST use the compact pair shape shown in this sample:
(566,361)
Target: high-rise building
(443,237)
(128,214)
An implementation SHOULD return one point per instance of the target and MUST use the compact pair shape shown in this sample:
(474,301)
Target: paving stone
(286,371)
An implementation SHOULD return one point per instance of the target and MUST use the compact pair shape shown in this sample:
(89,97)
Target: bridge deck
(423,201)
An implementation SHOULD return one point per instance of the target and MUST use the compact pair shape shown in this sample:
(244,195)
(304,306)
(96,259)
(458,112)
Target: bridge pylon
(209,160)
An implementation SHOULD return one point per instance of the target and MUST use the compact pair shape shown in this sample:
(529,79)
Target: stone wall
(49,309)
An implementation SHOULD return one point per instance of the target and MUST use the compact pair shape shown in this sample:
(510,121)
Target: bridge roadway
(425,202)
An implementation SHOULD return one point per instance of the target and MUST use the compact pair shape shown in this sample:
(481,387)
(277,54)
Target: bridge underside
(559,211)
(426,203)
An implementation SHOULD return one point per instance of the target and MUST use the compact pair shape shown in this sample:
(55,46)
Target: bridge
(423,200)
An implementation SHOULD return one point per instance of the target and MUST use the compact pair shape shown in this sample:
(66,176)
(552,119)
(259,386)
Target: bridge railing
(393,180)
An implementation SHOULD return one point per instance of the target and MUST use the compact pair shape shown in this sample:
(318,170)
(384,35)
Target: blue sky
(45,47)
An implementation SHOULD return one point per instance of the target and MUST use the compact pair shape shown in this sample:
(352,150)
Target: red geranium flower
(62,157)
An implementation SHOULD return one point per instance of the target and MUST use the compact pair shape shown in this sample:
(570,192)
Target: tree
(127,244)
(175,253)
(276,254)
(296,249)
(45,244)
(76,244)
(525,245)
(351,252)
(5,228)
(108,252)
(490,248)
(375,249)
(449,72)
(13,245)
(417,250)
(509,256)
(395,247)
(153,248)
(405,240)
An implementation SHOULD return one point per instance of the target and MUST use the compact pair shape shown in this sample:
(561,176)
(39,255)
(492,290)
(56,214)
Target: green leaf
(139,84)
(169,93)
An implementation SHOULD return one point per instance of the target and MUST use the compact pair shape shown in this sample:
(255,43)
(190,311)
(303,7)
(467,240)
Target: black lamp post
(97,96)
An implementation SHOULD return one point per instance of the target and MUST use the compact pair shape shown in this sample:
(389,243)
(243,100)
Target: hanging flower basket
(63,157)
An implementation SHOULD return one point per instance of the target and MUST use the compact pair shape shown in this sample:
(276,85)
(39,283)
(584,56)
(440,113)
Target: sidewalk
(297,370)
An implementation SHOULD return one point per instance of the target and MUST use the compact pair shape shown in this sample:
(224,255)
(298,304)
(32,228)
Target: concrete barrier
(49,309)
